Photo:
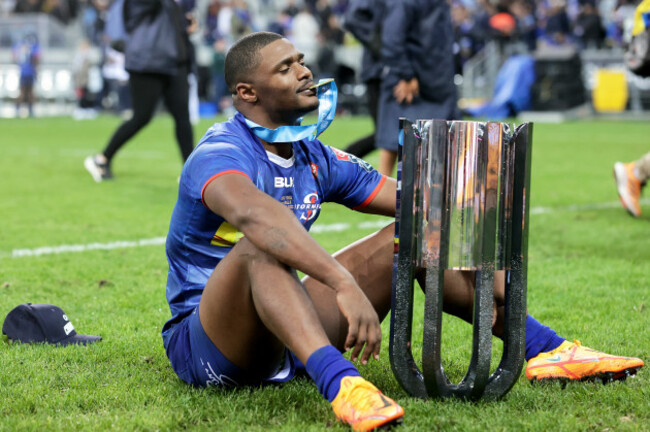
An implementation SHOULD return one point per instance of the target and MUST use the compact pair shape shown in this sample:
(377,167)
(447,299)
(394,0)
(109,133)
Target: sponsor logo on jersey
(283,182)
(343,156)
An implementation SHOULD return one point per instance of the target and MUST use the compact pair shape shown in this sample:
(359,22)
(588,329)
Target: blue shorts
(197,361)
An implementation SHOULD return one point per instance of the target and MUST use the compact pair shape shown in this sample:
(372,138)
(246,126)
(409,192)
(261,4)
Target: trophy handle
(401,357)
(514,336)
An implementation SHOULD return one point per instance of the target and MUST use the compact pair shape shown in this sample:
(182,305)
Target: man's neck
(284,150)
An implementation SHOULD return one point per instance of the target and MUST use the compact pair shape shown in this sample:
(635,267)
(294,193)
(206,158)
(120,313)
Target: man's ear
(246,92)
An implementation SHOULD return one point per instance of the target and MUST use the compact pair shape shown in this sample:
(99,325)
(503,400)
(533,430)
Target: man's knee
(252,256)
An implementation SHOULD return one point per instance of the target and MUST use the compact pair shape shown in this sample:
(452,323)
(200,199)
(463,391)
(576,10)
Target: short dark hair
(244,57)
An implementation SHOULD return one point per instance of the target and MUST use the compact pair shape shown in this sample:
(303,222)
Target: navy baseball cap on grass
(34,323)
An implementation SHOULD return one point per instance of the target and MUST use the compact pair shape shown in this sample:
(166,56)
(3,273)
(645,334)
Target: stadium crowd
(316,27)
(317,23)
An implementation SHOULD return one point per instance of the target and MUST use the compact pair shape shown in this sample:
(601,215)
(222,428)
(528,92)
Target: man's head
(269,80)
(244,57)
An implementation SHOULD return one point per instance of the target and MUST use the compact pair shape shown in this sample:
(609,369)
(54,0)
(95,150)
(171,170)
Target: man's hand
(193,25)
(364,327)
(405,91)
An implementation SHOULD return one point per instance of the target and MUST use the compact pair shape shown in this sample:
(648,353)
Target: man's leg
(145,89)
(370,261)
(549,356)
(29,96)
(176,95)
(253,306)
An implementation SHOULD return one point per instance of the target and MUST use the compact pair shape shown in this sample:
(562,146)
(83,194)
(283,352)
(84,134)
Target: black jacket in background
(158,41)
(363,19)
(417,41)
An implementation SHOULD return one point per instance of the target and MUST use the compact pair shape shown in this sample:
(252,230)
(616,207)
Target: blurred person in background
(304,36)
(290,8)
(95,16)
(418,75)
(211,30)
(159,58)
(116,78)
(330,38)
(63,10)
(26,55)
(234,20)
(81,76)
(363,19)
(526,30)
(220,94)
(558,27)
(502,24)
(28,6)
(281,23)
(588,27)
(116,81)
(469,38)
(242,21)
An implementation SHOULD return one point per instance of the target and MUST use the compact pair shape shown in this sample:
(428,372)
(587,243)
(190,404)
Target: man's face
(282,82)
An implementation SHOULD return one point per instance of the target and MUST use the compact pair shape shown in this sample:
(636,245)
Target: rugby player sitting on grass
(248,195)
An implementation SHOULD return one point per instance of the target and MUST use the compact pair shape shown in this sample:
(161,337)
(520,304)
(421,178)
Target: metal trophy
(462,204)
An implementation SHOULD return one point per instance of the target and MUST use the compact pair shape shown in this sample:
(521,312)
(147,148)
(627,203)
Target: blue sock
(540,338)
(327,366)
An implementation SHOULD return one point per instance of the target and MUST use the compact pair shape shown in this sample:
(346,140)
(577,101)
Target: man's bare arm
(385,201)
(274,229)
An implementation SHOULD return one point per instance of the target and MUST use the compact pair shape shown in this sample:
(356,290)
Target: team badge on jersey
(343,156)
(314,169)
(310,206)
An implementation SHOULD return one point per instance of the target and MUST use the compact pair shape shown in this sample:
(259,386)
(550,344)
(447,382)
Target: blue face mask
(327,94)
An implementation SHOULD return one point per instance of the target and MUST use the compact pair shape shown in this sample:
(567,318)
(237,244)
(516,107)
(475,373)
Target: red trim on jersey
(372,195)
(219,175)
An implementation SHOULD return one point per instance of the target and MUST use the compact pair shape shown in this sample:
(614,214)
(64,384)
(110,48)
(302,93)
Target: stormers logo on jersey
(309,208)
(343,156)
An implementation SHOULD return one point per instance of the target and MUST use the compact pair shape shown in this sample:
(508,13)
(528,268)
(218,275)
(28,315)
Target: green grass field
(588,279)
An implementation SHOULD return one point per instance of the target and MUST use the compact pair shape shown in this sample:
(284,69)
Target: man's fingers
(353,331)
(378,337)
(373,343)
(360,342)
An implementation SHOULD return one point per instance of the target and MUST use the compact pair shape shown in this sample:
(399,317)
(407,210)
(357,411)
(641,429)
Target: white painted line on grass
(49,250)
(582,207)
(336,227)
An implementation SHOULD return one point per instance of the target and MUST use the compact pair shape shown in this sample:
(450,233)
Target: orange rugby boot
(361,405)
(574,362)
(628,187)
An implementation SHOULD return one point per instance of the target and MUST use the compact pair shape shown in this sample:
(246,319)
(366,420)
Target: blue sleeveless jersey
(198,238)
